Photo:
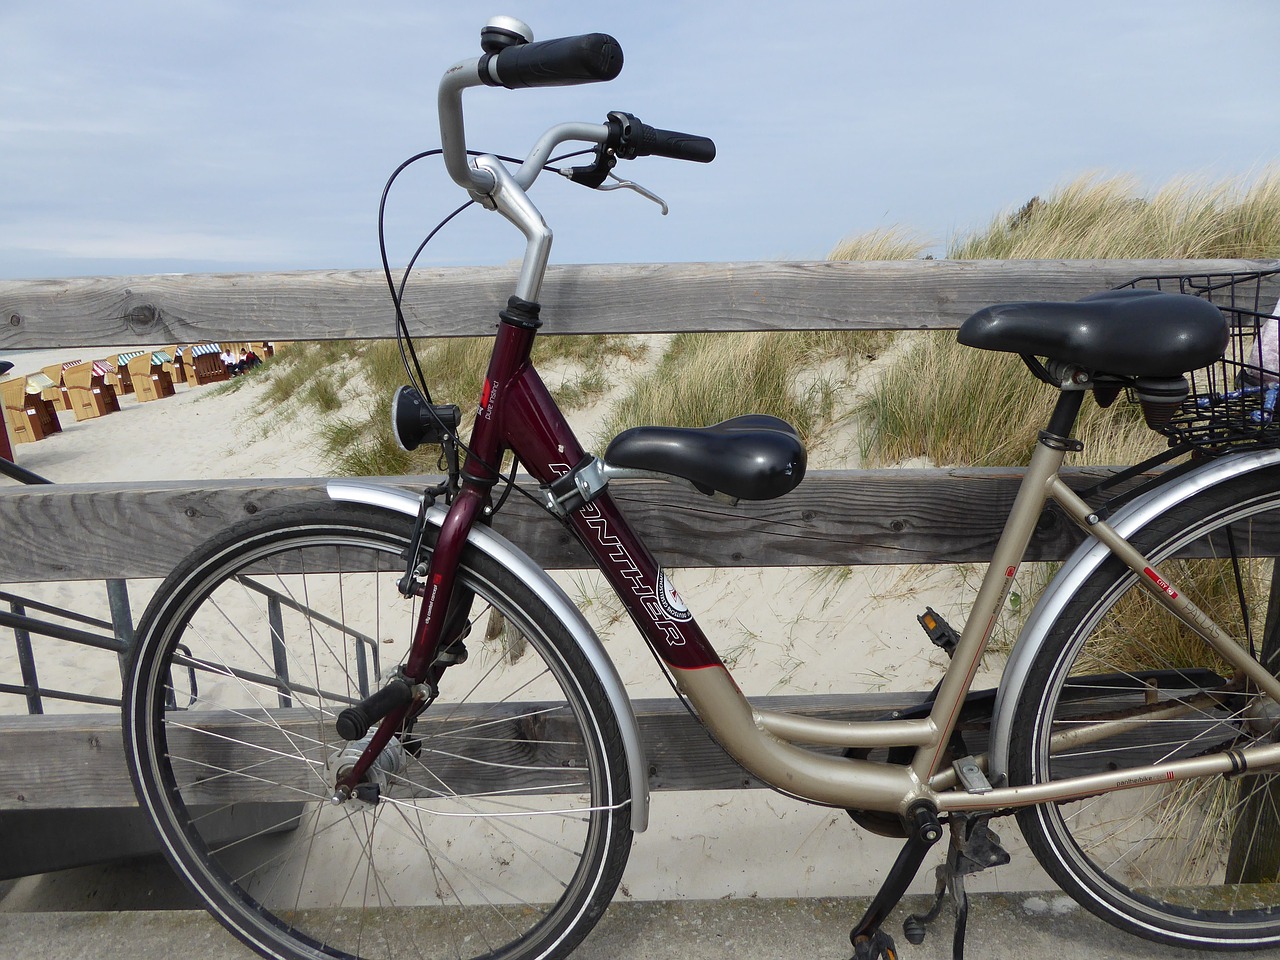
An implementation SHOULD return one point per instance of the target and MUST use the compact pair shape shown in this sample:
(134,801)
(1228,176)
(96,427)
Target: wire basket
(1233,402)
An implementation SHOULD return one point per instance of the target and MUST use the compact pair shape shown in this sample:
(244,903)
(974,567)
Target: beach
(200,432)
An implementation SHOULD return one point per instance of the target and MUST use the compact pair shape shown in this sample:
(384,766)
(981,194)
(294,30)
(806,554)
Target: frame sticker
(1160,582)
(673,604)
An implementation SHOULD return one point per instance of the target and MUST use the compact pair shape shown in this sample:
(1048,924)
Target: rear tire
(1194,863)
(502,826)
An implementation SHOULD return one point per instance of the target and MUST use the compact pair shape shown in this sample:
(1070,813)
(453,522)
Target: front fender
(1081,565)
(508,555)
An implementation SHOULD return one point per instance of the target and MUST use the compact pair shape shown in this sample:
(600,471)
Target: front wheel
(1122,683)
(498,826)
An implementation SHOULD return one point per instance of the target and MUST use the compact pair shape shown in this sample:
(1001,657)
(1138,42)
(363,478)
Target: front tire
(500,827)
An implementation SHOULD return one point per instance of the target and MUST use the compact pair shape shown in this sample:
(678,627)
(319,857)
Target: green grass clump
(583,364)
(454,368)
(960,406)
(294,370)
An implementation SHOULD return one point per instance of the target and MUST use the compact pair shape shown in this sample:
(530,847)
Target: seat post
(1063,420)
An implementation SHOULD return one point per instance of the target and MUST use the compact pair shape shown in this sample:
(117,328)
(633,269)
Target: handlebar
(511,59)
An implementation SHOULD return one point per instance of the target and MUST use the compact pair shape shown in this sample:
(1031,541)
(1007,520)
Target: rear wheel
(499,826)
(1122,683)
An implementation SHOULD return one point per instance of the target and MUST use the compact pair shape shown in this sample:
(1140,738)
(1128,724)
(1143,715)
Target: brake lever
(594,173)
(632,185)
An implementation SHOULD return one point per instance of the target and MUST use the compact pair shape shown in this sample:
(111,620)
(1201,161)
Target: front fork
(416,684)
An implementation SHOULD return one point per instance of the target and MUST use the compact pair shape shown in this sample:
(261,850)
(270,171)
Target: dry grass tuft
(1100,217)
(705,378)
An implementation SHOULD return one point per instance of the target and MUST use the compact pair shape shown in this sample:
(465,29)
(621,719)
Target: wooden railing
(835,517)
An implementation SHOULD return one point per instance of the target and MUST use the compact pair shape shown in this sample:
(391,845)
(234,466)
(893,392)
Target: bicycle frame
(518,414)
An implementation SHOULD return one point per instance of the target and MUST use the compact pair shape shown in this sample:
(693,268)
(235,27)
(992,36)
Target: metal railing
(24,626)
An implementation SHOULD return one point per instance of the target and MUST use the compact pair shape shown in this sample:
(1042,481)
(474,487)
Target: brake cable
(404,338)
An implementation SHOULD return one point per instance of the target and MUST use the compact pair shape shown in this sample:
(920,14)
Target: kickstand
(974,846)
(870,941)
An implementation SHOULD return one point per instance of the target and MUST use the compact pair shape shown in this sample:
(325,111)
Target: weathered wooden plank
(73,762)
(615,298)
(79,531)
(47,839)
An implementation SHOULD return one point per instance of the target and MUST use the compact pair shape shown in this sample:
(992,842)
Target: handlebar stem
(490,183)
(510,200)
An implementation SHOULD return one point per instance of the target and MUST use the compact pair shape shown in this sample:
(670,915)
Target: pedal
(971,776)
(941,634)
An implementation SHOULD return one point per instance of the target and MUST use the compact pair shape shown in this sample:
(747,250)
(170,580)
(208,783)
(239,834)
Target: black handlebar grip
(589,58)
(630,137)
(677,146)
(354,722)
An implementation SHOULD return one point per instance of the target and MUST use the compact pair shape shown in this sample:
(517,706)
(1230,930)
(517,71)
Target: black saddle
(753,457)
(1125,333)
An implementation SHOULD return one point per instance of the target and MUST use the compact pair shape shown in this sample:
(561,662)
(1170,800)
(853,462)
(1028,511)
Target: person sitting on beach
(229,361)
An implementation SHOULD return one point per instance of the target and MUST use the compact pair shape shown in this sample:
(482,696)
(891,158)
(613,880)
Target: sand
(782,632)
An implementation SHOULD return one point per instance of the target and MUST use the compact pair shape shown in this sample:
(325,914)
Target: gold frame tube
(768,743)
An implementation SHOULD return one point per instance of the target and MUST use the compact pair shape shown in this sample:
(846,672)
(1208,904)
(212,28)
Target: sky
(200,136)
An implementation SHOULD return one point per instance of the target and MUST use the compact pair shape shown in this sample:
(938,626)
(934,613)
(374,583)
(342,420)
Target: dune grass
(889,243)
(705,378)
(796,375)
(959,406)
(937,400)
(956,405)
(347,386)
(1109,217)
(309,373)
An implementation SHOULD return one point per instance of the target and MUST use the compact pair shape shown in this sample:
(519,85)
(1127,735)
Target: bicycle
(480,798)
